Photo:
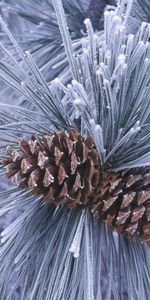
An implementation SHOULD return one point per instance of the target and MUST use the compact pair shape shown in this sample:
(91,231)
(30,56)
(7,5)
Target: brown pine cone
(61,167)
(122,200)
(65,169)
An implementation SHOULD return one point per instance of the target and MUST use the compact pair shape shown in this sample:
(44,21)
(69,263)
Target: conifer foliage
(85,132)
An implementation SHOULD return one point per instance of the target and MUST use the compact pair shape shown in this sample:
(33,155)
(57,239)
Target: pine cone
(63,168)
(122,200)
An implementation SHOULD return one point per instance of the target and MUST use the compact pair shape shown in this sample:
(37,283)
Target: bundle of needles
(79,160)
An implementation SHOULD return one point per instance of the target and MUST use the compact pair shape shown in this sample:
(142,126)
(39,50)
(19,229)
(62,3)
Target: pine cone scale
(28,164)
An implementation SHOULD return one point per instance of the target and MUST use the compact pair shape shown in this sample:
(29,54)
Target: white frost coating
(88,275)
(63,27)
(85,51)
(75,246)
(23,84)
(65,274)
(57,84)
(92,41)
(80,90)
(80,107)
(121,59)
(80,103)
(117,20)
(109,13)
(87,22)
(92,122)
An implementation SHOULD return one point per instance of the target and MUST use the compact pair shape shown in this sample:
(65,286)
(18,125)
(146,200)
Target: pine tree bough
(65,168)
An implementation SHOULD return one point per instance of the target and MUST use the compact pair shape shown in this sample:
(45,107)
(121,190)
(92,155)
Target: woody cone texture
(122,201)
(65,169)
(61,167)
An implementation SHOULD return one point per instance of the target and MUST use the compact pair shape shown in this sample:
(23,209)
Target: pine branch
(55,252)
